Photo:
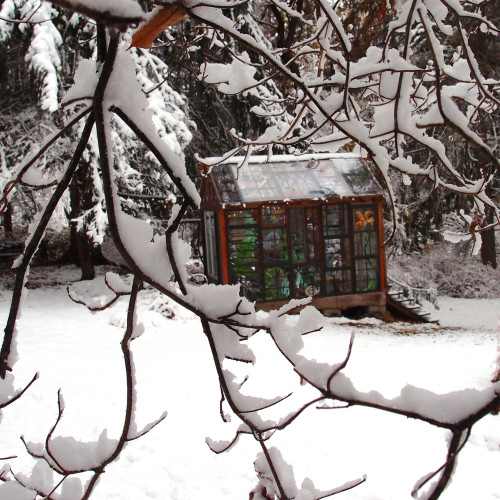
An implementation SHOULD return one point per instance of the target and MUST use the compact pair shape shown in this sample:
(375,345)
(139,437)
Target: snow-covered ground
(79,353)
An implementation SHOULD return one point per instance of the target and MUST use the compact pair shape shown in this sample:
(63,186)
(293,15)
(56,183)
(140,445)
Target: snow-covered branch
(379,103)
(111,13)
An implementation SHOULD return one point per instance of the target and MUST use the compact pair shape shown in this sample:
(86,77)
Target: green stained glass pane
(298,236)
(244,263)
(366,275)
(276,283)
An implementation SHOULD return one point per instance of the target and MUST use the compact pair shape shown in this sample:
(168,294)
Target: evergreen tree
(39,46)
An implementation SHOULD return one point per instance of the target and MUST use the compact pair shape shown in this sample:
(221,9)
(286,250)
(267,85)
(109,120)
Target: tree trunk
(80,248)
(84,252)
(7,219)
(488,247)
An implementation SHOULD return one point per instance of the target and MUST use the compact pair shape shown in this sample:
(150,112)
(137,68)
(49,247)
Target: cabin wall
(373,302)
(322,250)
(383,262)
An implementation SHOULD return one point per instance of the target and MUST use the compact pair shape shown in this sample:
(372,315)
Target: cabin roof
(240,180)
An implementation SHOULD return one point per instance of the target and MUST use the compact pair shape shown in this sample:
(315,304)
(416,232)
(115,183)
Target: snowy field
(79,353)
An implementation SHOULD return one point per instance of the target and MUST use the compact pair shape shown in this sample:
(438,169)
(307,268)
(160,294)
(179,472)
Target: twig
(169,234)
(19,394)
(457,442)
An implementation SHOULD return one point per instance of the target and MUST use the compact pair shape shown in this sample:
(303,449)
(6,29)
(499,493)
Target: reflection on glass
(294,179)
(273,215)
(274,244)
(337,266)
(307,280)
(256,183)
(298,235)
(244,262)
(337,244)
(211,245)
(242,217)
(366,275)
(225,184)
(312,230)
(357,176)
(330,179)
(276,283)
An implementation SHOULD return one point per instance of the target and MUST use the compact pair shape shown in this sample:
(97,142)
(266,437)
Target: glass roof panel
(225,184)
(290,178)
(357,175)
(256,182)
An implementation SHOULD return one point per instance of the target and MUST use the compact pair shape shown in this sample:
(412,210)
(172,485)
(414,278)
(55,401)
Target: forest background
(38,60)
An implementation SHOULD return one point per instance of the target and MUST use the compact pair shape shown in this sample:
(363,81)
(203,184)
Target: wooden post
(224,257)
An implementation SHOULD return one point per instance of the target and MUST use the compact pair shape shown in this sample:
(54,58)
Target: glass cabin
(295,227)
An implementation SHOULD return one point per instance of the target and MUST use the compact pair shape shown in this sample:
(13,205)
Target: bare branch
(274,472)
(25,21)
(455,446)
(270,405)
(342,365)
(117,295)
(16,396)
(148,428)
(230,444)
(173,227)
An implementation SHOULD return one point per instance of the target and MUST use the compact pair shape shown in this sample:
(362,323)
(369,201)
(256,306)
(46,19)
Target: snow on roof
(287,177)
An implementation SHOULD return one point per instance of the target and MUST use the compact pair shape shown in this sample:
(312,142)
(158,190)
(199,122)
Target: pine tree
(38,47)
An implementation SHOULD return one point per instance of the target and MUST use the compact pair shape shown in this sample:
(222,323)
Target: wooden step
(408,309)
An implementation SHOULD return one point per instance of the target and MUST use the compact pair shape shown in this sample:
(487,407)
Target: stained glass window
(244,252)
(242,217)
(276,283)
(273,215)
(305,246)
(278,252)
(337,244)
(365,248)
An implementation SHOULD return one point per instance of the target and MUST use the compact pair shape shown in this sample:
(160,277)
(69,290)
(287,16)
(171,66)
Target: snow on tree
(47,30)
(327,92)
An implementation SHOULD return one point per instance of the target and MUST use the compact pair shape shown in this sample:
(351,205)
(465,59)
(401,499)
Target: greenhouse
(296,227)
